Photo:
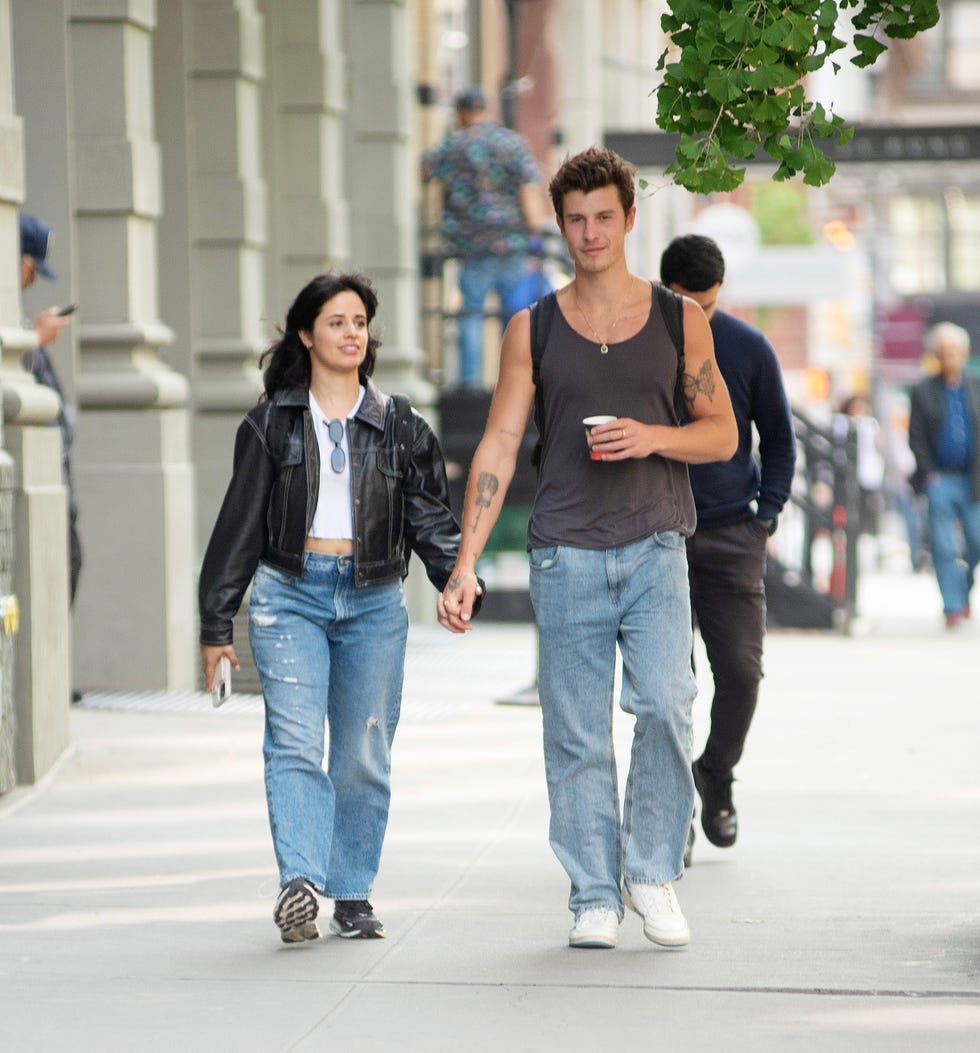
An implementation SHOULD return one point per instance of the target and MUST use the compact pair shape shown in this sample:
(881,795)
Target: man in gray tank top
(607,551)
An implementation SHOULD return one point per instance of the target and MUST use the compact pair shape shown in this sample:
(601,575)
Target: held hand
(455,603)
(209,661)
(48,325)
(619,440)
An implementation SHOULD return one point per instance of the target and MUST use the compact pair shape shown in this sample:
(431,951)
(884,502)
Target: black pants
(727,569)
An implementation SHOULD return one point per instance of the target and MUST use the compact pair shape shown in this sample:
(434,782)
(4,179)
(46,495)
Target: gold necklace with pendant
(603,344)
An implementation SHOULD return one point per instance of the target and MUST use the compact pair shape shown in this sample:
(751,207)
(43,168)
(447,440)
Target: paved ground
(136,883)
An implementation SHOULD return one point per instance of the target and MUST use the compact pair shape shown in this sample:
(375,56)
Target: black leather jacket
(400,501)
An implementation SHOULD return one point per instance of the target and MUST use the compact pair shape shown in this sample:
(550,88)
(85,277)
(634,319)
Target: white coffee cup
(590,423)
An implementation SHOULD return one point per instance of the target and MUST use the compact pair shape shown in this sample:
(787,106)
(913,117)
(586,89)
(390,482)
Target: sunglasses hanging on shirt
(335,429)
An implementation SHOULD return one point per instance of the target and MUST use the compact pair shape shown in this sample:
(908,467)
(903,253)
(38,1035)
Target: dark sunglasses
(335,429)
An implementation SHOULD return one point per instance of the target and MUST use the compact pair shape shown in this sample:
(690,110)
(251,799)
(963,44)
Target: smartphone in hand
(221,690)
(63,312)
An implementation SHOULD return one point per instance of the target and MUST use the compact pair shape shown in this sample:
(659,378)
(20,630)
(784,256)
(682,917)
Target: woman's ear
(306,338)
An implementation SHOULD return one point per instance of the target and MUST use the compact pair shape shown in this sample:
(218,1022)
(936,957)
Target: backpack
(543,311)
(404,430)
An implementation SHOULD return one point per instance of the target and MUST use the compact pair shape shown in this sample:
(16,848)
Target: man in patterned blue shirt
(491,212)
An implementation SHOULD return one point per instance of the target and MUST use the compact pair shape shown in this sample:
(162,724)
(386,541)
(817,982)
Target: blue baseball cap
(35,238)
(470,100)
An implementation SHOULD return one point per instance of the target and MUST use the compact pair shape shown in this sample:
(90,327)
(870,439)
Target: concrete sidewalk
(137,882)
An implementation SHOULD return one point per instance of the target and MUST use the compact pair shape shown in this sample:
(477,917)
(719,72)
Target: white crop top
(333,517)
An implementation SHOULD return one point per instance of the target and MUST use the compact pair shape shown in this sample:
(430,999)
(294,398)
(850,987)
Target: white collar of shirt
(320,417)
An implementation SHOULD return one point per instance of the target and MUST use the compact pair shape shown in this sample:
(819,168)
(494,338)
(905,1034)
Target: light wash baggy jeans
(586,603)
(328,651)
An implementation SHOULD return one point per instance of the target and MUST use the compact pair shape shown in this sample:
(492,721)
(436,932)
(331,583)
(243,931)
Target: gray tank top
(597,504)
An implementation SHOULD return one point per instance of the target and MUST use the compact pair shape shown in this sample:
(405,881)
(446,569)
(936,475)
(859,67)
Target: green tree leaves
(735,81)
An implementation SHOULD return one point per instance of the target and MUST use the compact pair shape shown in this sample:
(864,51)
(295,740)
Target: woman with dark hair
(334,485)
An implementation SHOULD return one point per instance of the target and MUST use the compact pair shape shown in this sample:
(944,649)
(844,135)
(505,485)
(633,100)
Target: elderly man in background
(944,435)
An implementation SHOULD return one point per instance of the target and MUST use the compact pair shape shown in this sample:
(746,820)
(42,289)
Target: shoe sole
(301,934)
(356,934)
(295,916)
(597,943)
(671,942)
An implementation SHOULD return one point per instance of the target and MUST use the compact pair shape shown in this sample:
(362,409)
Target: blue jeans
(586,604)
(952,513)
(480,274)
(327,651)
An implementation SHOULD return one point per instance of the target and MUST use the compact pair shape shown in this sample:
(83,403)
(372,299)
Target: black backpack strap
(404,430)
(542,315)
(672,310)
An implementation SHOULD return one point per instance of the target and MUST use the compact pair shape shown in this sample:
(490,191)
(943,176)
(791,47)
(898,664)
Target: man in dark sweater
(738,502)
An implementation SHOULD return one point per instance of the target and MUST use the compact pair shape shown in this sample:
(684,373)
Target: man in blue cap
(35,241)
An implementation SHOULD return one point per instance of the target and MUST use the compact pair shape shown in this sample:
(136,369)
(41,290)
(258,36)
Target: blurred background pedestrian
(492,212)
(35,241)
(944,434)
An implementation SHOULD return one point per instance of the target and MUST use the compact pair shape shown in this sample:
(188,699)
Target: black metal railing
(440,313)
(815,551)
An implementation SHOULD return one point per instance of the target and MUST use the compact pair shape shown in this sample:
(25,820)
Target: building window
(947,57)
(963,214)
(935,243)
(963,47)
(918,256)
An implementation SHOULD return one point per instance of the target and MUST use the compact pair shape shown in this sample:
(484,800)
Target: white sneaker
(663,922)
(595,927)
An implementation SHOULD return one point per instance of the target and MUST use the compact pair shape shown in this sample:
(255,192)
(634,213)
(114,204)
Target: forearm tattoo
(703,384)
(486,487)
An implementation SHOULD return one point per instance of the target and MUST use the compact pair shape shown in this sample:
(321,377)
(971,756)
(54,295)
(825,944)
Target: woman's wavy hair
(286,362)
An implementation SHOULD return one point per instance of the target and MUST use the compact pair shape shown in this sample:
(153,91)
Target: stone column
(134,628)
(34,635)
(383,186)
(228,204)
(307,114)
(429,128)
(11,189)
(41,584)
(383,183)
(33,529)
(9,610)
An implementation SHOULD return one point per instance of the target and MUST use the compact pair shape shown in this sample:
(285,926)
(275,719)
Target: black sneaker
(719,820)
(354,919)
(295,912)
